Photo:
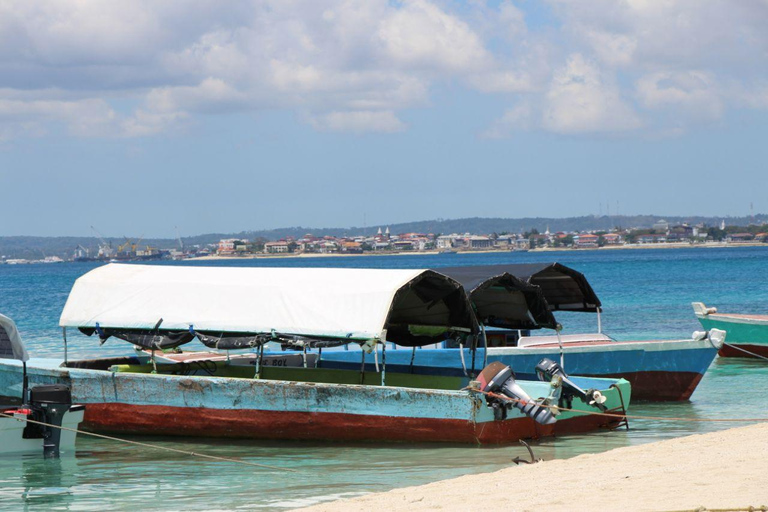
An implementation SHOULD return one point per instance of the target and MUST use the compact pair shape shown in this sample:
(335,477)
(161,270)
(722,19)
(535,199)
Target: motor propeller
(549,371)
(499,378)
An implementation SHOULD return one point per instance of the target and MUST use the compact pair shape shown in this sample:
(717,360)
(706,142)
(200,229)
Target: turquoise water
(646,294)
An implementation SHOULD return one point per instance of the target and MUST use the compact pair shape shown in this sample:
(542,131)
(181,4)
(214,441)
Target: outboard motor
(48,405)
(549,371)
(499,378)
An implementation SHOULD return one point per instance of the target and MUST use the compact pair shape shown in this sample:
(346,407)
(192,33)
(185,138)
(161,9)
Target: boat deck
(293,374)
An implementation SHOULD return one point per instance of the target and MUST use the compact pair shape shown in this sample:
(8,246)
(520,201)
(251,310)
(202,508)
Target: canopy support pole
(474,355)
(319,357)
(599,322)
(154,363)
(463,363)
(413,356)
(384,363)
(558,328)
(376,357)
(304,355)
(362,365)
(64,333)
(485,346)
(24,384)
(259,355)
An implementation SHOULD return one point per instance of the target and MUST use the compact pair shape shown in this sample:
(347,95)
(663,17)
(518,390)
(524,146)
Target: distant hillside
(34,247)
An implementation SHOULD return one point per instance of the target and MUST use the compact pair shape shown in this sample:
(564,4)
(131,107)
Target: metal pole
(64,332)
(558,328)
(383,363)
(259,355)
(362,365)
(599,322)
(485,347)
(474,354)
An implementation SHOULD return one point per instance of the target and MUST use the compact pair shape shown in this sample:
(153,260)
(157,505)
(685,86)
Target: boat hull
(261,409)
(657,370)
(302,425)
(746,334)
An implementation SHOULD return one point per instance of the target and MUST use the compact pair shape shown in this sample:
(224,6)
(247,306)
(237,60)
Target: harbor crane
(178,237)
(105,249)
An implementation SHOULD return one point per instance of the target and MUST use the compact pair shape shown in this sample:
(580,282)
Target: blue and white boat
(510,300)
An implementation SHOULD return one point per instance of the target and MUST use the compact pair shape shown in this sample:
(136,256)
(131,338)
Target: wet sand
(726,470)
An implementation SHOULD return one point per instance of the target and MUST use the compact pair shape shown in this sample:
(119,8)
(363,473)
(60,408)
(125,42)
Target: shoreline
(717,470)
(629,247)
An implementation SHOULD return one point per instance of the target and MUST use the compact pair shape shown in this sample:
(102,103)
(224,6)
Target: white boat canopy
(11,346)
(408,307)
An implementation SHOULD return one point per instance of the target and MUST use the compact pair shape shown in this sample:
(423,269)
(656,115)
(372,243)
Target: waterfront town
(662,233)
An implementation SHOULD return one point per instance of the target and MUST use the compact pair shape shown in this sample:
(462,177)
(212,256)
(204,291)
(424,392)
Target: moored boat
(31,423)
(515,299)
(747,334)
(226,309)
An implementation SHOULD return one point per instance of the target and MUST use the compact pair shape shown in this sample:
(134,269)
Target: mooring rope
(149,445)
(746,351)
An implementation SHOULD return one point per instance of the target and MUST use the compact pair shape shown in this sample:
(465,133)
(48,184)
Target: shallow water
(646,294)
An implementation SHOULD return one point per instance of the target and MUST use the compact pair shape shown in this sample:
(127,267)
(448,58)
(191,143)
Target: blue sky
(141,117)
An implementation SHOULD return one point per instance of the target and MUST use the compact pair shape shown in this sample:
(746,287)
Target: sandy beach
(725,470)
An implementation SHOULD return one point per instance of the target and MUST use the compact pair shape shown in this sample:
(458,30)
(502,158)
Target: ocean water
(646,294)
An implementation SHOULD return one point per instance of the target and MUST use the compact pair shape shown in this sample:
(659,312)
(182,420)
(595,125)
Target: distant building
(446,241)
(657,238)
(522,244)
(613,239)
(661,226)
(479,242)
(351,247)
(279,247)
(739,237)
(586,241)
(227,246)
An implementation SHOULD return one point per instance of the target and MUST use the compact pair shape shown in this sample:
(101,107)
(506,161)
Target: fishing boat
(31,424)
(512,300)
(161,308)
(747,334)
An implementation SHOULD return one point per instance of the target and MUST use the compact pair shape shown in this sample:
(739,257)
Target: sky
(216,116)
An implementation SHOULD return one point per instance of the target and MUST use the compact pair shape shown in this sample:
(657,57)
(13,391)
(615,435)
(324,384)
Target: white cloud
(422,35)
(357,65)
(694,92)
(359,122)
(581,99)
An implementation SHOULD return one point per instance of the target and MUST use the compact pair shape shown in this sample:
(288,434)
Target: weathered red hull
(661,386)
(730,351)
(256,424)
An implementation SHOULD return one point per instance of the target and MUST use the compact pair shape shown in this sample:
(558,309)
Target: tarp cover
(564,288)
(355,304)
(503,300)
(11,346)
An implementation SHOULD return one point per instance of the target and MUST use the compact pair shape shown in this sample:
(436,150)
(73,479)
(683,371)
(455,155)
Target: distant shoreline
(683,245)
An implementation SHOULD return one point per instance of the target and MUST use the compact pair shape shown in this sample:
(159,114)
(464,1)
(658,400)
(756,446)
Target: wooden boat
(747,334)
(247,308)
(30,424)
(515,299)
